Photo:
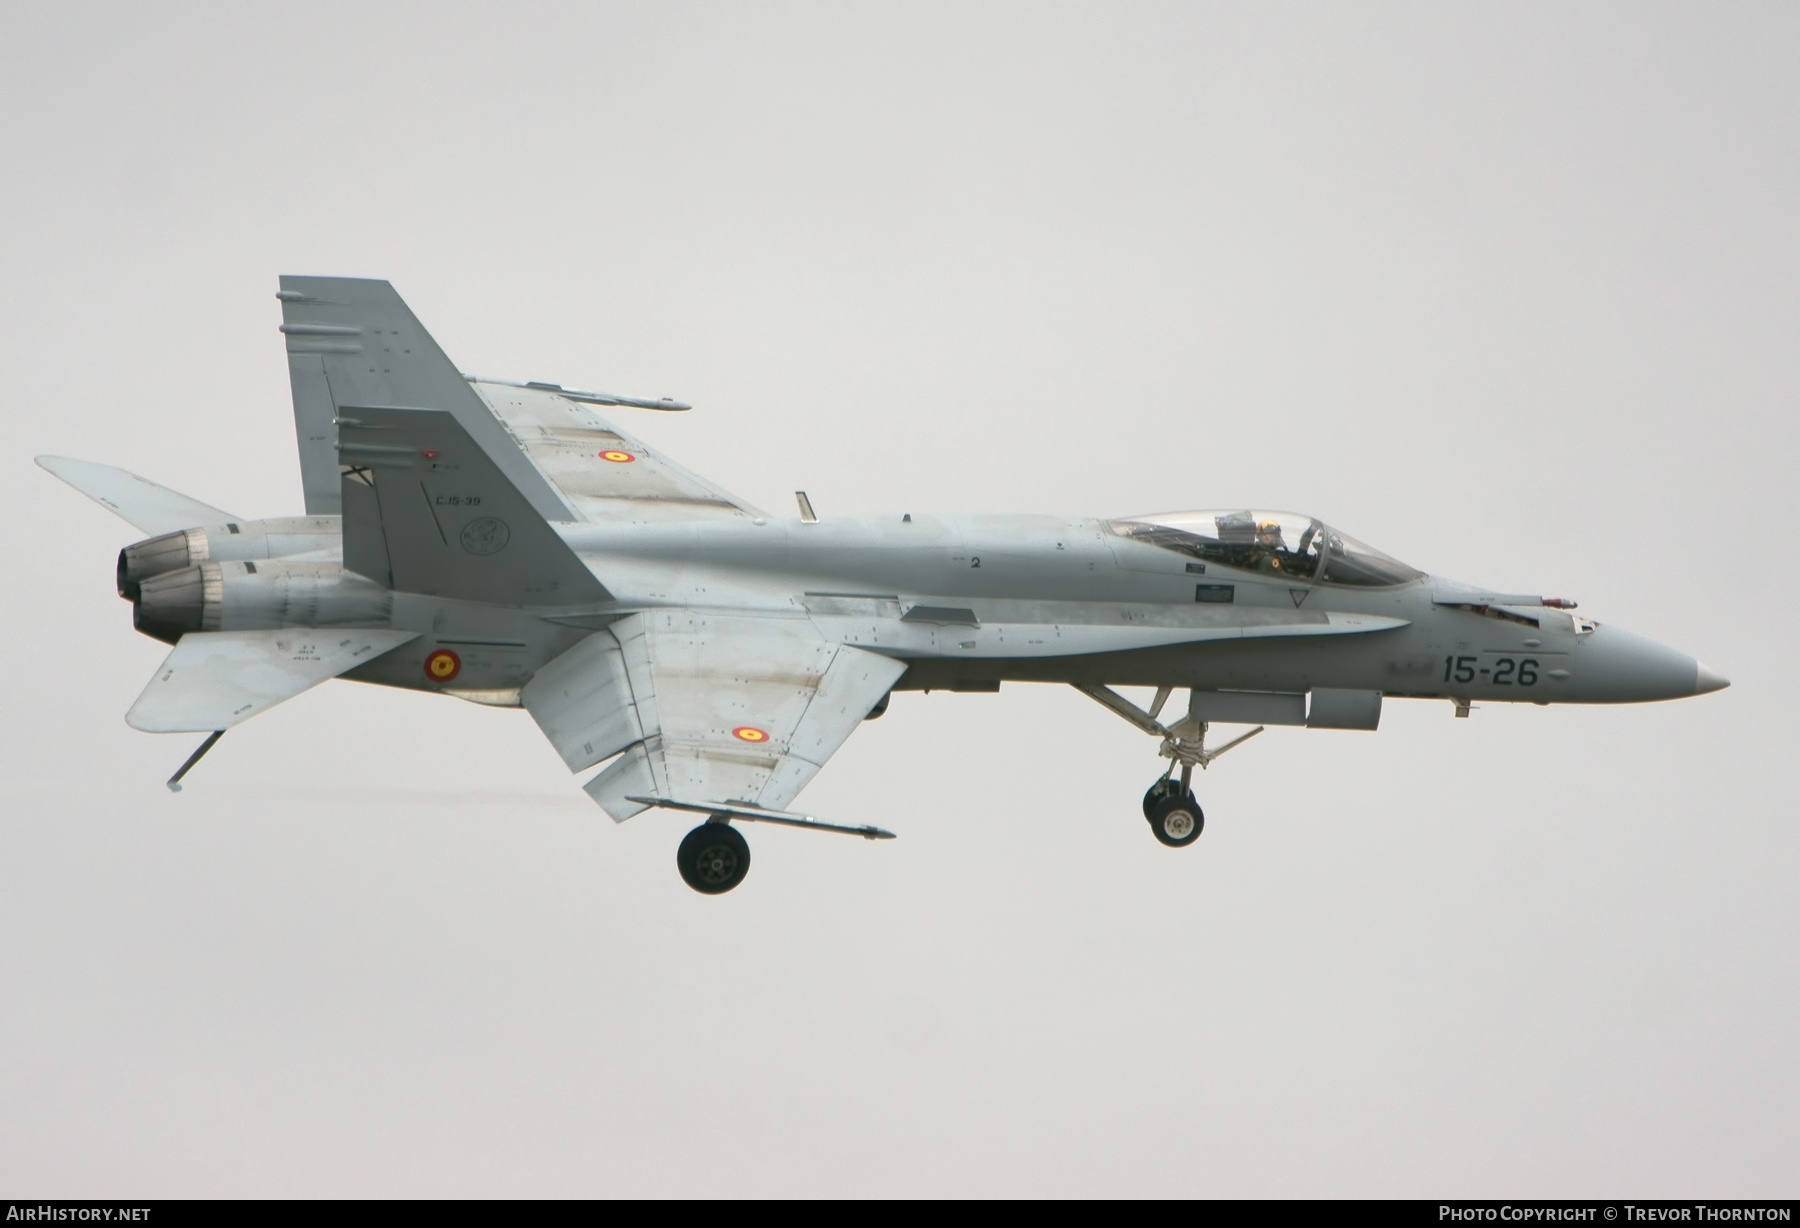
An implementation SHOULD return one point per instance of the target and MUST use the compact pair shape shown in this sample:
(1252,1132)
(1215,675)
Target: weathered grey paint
(501,543)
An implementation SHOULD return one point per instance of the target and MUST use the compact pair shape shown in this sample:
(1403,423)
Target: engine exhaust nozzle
(159,556)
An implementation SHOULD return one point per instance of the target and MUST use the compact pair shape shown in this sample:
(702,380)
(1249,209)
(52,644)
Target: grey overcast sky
(1508,290)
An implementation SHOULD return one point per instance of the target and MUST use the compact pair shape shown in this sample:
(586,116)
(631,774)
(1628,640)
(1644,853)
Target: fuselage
(971,601)
(1049,571)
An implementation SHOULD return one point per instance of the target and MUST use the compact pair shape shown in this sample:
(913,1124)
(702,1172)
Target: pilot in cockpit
(1269,546)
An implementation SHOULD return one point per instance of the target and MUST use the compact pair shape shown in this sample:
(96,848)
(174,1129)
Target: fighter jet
(500,542)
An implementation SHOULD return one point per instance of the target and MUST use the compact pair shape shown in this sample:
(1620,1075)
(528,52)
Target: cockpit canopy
(1275,543)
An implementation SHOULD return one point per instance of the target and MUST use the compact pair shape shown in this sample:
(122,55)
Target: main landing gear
(713,858)
(1175,817)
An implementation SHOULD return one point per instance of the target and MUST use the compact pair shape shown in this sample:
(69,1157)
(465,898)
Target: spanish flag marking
(442,665)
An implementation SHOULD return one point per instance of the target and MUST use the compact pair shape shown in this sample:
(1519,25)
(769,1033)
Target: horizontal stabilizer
(152,509)
(216,679)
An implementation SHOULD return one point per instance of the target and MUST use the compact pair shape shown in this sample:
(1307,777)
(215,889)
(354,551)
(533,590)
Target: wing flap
(583,702)
(852,685)
(216,679)
(627,779)
(706,709)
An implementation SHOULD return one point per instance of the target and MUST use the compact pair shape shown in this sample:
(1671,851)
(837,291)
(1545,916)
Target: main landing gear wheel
(1177,820)
(713,858)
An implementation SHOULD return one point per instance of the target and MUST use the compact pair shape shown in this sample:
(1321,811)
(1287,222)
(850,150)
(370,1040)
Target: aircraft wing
(216,679)
(605,475)
(734,713)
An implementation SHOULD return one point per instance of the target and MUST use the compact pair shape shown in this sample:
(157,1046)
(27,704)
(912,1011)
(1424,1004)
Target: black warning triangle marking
(1299,595)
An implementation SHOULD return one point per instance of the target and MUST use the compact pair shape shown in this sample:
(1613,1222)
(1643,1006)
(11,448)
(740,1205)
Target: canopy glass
(1274,543)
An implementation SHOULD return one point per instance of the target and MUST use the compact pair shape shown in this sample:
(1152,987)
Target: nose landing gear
(1175,817)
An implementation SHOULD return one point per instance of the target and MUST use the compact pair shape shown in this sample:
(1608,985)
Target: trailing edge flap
(217,679)
(354,341)
(428,511)
(153,510)
(705,708)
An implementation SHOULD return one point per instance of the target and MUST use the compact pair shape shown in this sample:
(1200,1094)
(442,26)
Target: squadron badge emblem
(485,536)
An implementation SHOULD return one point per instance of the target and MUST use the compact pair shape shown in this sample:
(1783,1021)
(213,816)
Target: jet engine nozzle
(250,596)
(157,556)
(169,605)
(283,537)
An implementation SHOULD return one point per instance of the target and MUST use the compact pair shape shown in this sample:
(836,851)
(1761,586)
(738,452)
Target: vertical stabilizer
(353,341)
(427,511)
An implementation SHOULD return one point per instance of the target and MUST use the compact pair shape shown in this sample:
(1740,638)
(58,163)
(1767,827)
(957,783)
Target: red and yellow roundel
(617,457)
(442,665)
(750,733)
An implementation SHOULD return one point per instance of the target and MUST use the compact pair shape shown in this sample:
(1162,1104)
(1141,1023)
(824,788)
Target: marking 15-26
(1505,671)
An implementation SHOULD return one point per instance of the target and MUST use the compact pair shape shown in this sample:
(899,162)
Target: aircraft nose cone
(1707,680)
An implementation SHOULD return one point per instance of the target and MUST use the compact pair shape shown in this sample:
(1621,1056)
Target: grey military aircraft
(500,542)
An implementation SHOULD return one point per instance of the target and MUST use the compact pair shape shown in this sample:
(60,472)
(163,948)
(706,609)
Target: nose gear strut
(1174,815)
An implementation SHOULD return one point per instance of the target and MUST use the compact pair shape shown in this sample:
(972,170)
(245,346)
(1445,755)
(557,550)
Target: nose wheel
(1175,817)
(1164,788)
(713,858)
